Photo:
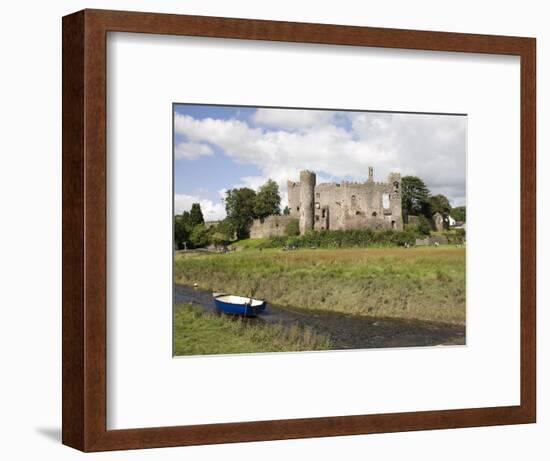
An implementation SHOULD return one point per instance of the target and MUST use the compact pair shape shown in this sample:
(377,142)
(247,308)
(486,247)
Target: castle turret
(307,194)
(371,174)
(394,180)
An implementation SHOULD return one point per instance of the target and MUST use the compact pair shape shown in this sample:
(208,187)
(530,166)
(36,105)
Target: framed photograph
(279,230)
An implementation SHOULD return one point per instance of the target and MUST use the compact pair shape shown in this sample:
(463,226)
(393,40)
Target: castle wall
(348,205)
(358,205)
(293,189)
(272,226)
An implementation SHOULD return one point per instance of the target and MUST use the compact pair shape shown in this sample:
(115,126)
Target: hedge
(352,238)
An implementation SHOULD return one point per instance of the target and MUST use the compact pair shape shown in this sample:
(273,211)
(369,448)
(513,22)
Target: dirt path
(346,331)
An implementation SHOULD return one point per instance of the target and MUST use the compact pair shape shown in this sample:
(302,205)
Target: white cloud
(211,211)
(429,146)
(192,150)
(291,119)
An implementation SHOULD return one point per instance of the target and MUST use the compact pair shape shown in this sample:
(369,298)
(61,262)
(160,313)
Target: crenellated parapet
(345,205)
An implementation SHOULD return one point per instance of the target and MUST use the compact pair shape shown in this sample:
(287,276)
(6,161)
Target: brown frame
(84,229)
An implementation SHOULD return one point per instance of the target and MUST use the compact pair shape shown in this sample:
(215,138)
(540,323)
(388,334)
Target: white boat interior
(232,299)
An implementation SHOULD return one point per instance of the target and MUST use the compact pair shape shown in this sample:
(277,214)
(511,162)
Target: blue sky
(220,147)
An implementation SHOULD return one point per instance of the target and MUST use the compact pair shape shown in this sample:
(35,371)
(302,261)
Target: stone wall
(271,226)
(347,205)
(439,239)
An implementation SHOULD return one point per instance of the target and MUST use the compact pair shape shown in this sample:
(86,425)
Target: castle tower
(307,199)
(394,180)
(371,174)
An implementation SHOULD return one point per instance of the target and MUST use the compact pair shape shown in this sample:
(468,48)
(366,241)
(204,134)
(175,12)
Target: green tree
(239,207)
(439,204)
(195,215)
(199,236)
(414,196)
(186,219)
(424,225)
(459,213)
(286,211)
(181,230)
(225,231)
(268,200)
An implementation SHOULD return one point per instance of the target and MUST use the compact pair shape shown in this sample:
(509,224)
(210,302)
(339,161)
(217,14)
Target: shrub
(424,225)
(345,239)
(456,236)
(200,236)
(292,228)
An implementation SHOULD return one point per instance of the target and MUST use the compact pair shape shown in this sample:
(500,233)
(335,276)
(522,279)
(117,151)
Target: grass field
(199,333)
(424,283)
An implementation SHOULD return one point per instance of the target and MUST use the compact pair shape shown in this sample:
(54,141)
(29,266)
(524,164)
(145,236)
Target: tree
(181,229)
(424,225)
(286,211)
(224,232)
(186,219)
(439,204)
(239,207)
(268,200)
(414,196)
(195,215)
(459,213)
(199,236)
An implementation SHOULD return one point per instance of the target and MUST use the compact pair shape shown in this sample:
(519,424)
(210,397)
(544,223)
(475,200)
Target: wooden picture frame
(85,221)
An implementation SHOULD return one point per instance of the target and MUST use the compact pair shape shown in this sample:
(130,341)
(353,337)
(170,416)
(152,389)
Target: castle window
(393,224)
(317,205)
(357,213)
(316,217)
(396,185)
(386,200)
(374,214)
(324,212)
(297,208)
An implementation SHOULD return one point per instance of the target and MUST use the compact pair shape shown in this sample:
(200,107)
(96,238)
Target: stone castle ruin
(346,205)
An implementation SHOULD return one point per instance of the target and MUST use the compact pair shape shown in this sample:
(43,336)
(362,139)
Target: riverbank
(202,332)
(342,331)
(426,284)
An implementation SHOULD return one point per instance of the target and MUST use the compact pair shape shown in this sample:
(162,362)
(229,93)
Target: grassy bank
(417,283)
(199,333)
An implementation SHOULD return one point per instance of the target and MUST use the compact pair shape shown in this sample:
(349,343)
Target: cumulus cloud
(340,144)
(291,119)
(192,150)
(211,211)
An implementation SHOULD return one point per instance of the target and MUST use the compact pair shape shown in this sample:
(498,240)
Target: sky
(217,148)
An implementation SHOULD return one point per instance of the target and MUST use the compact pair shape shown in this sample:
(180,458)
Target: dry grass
(418,283)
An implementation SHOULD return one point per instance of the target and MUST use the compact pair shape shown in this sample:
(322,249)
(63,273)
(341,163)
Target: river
(346,331)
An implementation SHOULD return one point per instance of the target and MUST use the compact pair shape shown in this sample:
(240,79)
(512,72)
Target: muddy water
(346,331)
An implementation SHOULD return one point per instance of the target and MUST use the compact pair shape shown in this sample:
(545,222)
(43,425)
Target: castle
(346,205)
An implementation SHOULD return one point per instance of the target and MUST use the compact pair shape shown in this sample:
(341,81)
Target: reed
(422,283)
(199,333)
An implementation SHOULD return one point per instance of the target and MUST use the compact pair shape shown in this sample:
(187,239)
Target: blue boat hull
(245,310)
